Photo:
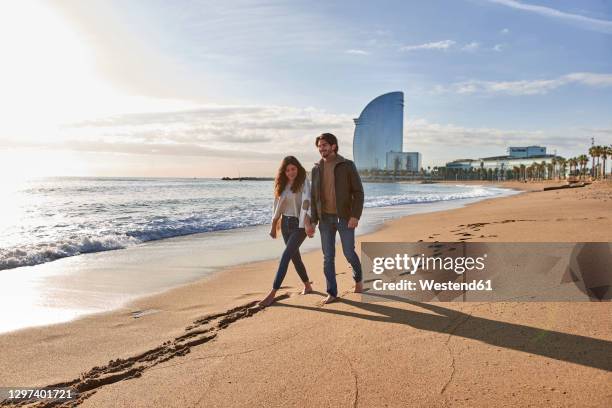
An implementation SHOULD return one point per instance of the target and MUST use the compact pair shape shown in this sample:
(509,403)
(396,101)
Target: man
(337,204)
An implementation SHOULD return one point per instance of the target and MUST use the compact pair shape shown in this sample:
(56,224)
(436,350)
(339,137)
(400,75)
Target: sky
(211,88)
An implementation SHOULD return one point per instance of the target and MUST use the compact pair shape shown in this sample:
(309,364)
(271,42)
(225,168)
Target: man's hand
(353,222)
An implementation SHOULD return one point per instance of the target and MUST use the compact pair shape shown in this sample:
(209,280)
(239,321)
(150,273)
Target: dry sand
(206,344)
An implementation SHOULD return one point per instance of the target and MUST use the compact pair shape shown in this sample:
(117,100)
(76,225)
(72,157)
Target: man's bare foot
(269,299)
(330,299)
(358,287)
(307,288)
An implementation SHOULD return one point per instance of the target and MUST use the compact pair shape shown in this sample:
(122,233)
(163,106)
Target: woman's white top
(293,204)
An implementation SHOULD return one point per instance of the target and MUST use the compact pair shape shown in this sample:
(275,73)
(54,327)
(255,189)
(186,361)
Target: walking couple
(334,202)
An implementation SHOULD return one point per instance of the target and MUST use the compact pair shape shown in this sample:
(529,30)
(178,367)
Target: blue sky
(210,83)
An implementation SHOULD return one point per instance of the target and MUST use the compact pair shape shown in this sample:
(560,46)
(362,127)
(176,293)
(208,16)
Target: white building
(410,161)
(516,157)
(527,151)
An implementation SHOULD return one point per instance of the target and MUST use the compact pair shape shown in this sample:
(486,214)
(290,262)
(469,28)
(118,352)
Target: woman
(292,210)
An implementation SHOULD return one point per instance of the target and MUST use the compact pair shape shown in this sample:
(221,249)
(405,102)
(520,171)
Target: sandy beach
(208,344)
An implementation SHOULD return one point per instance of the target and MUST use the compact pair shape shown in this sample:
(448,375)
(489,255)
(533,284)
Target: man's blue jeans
(328,225)
(293,237)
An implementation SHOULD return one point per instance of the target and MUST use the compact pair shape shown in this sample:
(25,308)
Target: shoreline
(300,320)
(384,205)
(65,285)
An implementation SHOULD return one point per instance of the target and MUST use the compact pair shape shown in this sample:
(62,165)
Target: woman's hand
(273,229)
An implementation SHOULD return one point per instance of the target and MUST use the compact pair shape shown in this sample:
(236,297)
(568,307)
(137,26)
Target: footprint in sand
(140,313)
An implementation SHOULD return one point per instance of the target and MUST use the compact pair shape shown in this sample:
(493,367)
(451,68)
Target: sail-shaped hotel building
(379,134)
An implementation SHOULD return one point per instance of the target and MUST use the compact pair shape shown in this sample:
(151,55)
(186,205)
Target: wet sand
(209,344)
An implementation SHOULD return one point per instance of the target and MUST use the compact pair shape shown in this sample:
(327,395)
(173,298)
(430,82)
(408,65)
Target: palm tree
(573,162)
(562,166)
(542,169)
(549,170)
(596,154)
(593,154)
(605,152)
(584,160)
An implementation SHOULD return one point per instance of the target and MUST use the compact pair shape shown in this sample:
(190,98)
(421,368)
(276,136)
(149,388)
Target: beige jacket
(300,203)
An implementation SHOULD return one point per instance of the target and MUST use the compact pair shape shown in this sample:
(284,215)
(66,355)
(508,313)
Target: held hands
(310,230)
(353,222)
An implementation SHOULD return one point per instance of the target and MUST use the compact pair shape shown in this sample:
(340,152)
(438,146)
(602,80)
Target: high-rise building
(379,130)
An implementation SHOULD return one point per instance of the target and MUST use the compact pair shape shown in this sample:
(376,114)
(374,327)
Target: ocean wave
(35,254)
(391,200)
(120,229)
(46,252)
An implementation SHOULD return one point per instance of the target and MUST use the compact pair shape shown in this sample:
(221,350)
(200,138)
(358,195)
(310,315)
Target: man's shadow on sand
(572,348)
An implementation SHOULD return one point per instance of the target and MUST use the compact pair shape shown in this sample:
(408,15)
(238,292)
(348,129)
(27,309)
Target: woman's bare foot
(307,288)
(330,299)
(358,287)
(269,299)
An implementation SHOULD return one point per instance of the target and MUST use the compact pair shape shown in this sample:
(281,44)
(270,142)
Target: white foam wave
(390,200)
(41,253)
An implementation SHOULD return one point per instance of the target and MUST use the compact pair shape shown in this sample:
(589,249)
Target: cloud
(440,143)
(454,135)
(529,87)
(439,45)
(603,132)
(498,47)
(214,131)
(357,52)
(443,46)
(504,31)
(471,47)
(602,26)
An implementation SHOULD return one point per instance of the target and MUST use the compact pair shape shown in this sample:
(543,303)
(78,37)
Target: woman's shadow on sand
(586,351)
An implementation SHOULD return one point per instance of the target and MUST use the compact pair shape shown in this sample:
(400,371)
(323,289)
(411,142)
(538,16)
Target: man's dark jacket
(349,191)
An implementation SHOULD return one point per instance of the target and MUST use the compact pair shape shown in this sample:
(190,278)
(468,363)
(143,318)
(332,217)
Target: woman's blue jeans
(293,237)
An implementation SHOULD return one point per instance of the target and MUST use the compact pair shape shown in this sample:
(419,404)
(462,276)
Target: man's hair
(329,138)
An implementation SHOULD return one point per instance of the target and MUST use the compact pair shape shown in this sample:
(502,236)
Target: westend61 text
(429,284)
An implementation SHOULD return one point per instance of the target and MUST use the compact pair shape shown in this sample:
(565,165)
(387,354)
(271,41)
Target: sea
(43,220)
(73,247)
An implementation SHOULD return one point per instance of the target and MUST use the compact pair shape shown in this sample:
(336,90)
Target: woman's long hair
(281,179)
